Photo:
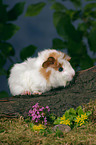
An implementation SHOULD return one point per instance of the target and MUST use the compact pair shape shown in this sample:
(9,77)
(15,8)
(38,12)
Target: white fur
(26,76)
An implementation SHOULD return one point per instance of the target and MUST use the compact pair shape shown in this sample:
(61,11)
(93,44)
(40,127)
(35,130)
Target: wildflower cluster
(80,120)
(64,120)
(73,117)
(39,114)
(38,127)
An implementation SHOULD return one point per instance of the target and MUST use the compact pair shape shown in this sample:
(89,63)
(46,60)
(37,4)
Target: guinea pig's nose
(73,75)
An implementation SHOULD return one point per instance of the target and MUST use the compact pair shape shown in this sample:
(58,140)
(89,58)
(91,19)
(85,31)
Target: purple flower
(33,114)
(36,105)
(30,111)
(34,109)
(34,117)
(47,107)
(42,114)
(49,110)
(36,120)
(38,112)
(38,116)
(45,120)
(40,109)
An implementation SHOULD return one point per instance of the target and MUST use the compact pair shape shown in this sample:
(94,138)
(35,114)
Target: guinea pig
(50,69)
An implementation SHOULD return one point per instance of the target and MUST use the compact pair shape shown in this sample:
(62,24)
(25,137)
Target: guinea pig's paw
(37,93)
(26,93)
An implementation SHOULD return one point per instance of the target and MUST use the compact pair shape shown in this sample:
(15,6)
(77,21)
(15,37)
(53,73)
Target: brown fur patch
(55,55)
(56,65)
(49,61)
(52,62)
(45,74)
(66,57)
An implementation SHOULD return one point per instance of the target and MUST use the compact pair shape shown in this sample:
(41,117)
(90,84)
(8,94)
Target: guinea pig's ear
(66,57)
(49,61)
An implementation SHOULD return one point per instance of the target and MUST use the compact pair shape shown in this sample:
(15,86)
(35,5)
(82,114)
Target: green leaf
(59,44)
(88,113)
(86,62)
(93,23)
(67,114)
(90,7)
(78,53)
(63,27)
(92,39)
(72,111)
(27,52)
(4,94)
(90,11)
(72,117)
(35,9)
(93,14)
(51,117)
(56,17)
(77,3)
(0,2)
(31,126)
(2,130)
(83,28)
(16,11)
(7,49)
(57,121)
(79,110)
(7,31)
(75,49)
(58,7)
(75,14)
(70,114)
(59,133)
(66,30)
(3,13)
(2,60)
(3,72)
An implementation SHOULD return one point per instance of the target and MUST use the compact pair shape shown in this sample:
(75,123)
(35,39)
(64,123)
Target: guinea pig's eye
(60,69)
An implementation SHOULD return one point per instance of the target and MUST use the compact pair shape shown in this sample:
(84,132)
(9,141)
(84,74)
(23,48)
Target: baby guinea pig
(50,69)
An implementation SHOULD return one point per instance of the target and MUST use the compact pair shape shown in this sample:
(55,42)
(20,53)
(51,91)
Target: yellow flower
(63,117)
(84,116)
(38,127)
(64,121)
(78,119)
(81,119)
